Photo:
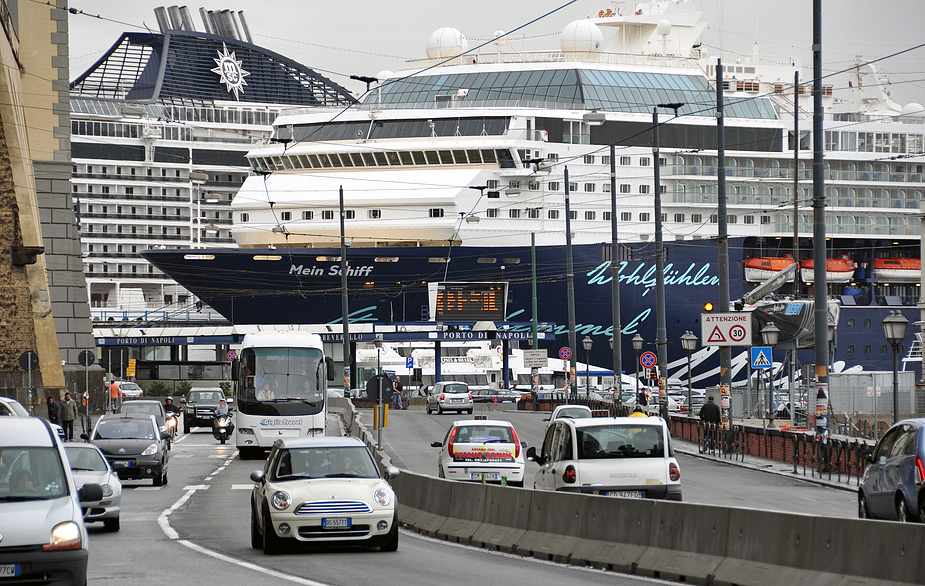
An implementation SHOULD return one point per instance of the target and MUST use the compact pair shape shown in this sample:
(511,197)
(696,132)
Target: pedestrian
(68,415)
(52,410)
(114,393)
(396,393)
(711,415)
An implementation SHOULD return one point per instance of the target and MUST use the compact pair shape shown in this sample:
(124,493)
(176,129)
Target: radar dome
(581,35)
(446,42)
(913,109)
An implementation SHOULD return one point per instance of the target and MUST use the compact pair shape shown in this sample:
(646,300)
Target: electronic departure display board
(470,302)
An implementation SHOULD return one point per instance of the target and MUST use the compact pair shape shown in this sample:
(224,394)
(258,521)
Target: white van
(44,538)
(628,457)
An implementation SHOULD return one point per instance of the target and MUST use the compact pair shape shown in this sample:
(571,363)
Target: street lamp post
(587,342)
(769,335)
(637,346)
(894,328)
(689,343)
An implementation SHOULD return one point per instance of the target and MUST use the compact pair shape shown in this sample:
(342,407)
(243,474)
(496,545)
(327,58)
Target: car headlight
(107,490)
(64,536)
(382,496)
(281,500)
(150,450)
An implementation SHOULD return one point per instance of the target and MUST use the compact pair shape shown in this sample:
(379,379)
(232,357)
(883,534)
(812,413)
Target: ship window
(419,158)
(850,323)
(374,214)
(308,215)
(765,219)
(493,194)
(369,160)
(625,187)
(696,218)
(327,215)
(606,187)
(313,159)
(533,213)
(357,159)
(643,189)
(446,157)
(335,160)
(303,162)
(286,216)
(513,213)
(437,259)
(866,349)
(748,219)
(590,215)
(486,261)
(325,160)
(553,214)
(488,156)
(732,219)
(679,218)
(849,350)
(644,161)
(867,323)
(386,259)
(626,161)
(475,156)
(381,159)
(432,158)
(267,257)
(405,157)
(491,212)
(393,159)
(349,214)
(589,159)
(644,217)
(533,185)
(460,157)
(511,261)
(244,218)
(553,186)
(589,187)
(626,216)
(435,212)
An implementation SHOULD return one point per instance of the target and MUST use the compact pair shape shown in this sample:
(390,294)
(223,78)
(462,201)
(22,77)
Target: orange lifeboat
(759,270)
(897,270)
(837,270)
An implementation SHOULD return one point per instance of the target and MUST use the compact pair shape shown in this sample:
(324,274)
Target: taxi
(482,450)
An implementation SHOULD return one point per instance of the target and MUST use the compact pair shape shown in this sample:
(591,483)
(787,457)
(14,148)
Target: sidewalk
(765,465)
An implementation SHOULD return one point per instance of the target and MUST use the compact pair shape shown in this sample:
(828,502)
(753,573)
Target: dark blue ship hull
(389,285)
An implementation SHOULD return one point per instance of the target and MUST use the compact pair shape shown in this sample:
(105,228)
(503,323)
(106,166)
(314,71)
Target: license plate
(485,475)
(336,523)
(10,570)
(124,462)
(627,494)
(456,401)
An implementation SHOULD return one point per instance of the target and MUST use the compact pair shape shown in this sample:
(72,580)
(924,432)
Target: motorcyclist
(169,407)
(222,415)
(222,408)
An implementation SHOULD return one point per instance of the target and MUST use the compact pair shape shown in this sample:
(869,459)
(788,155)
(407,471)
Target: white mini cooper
(322,490)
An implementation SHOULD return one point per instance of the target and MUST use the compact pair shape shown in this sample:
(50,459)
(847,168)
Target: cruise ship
(450,169)
(161,125)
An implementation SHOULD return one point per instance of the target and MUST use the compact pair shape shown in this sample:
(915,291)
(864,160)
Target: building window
(552,214)
(590,215)
(373,214)
(644,217)
(589,187)
(308,215)
(327,215)
(435,212)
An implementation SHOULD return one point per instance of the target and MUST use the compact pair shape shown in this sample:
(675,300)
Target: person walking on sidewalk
(52,410)
(711,415)
(396,393)
(68,415)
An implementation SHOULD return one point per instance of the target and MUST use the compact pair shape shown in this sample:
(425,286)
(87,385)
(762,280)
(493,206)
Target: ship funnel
(247,31)
(163,23)
(186,19)
(176,21)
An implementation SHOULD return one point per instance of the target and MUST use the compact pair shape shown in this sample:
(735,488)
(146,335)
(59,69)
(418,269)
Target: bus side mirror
(234,369)
(329,363)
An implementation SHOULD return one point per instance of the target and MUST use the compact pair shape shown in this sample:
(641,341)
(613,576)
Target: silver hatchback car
(891,487)
(449,396)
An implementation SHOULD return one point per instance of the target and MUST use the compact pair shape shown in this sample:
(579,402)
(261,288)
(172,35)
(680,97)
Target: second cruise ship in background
(449,167)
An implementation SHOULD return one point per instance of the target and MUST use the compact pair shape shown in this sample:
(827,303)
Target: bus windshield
(282,381)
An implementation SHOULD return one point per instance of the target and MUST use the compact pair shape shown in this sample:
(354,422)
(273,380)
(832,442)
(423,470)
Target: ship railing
(147,316)
(915,351)
(863,117)
(633,59)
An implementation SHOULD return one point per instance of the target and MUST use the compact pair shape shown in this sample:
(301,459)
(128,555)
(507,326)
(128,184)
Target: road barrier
(680,541)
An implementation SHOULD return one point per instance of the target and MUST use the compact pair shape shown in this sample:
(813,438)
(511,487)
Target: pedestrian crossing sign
(762,357)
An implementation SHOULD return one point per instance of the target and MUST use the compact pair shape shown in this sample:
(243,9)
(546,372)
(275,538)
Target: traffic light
(708,306)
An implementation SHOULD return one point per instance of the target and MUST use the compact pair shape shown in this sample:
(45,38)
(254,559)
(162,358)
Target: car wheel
(427,408)
(863,510)
(256,539)
(222,440)
(440,473)
(391,543)
(159,479)
(439,410)
(272,543)
(111,524)
(186,427)
(902,510)
(469,411)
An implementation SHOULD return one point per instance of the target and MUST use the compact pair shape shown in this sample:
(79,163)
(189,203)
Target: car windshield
(130,387)
(326,462)
(455,388)
(14,408)
(123,429)
(483,434)
(137,407)
(573,413)
(31,473)
(620,441)
(206,396)
(85,458)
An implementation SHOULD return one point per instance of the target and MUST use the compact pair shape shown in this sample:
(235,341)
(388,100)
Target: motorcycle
(222,427)
(172,423)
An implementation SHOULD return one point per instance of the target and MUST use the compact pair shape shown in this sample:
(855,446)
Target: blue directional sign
(761,357)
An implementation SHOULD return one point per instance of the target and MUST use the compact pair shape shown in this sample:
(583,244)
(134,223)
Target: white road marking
(148,488)
(196,487)
(242,486)
(249,565)
(181,456)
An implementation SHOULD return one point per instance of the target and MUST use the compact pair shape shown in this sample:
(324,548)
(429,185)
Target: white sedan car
(483,449)
(89,465)
(449,396)
(322,490)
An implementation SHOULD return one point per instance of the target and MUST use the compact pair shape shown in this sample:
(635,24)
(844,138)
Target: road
(197,527)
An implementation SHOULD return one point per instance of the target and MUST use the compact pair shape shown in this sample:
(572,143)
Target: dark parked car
(133,446)
(891,487)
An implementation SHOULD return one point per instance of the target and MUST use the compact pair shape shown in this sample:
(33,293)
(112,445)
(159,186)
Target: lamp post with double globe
(689,343)
(638,342)
(587,342)
(894,328)
(769,335)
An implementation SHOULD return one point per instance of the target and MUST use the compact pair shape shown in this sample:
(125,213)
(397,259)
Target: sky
(364,37)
